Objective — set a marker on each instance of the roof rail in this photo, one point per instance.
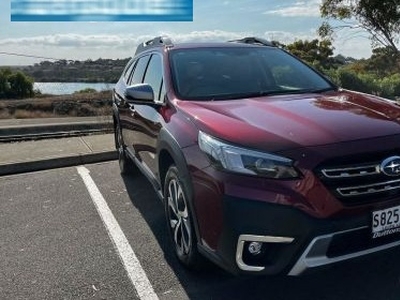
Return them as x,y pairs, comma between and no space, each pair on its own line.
254,40
159,41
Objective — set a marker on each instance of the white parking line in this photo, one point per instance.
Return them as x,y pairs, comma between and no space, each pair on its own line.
128,257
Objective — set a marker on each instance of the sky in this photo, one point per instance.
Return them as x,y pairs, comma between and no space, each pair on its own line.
213,20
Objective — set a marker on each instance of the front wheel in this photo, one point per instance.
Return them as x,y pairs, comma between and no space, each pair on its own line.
179,220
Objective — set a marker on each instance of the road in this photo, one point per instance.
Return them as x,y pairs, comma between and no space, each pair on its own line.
55,244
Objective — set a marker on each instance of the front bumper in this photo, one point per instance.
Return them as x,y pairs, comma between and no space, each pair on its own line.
292,242
319,251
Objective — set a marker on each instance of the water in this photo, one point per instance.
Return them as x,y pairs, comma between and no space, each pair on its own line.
64,88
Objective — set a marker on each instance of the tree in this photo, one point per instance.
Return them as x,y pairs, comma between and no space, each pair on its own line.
20,85
315,52
384,62
380,18
15,85
4,84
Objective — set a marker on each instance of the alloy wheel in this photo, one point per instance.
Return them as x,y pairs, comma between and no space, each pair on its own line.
179,217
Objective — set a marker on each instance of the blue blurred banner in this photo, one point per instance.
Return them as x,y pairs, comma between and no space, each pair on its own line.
101,10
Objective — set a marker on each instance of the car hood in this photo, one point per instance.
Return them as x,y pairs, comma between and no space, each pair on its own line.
283,122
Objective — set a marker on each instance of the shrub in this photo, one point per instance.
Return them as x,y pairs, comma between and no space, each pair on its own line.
86,91
15,85
350,80
390,86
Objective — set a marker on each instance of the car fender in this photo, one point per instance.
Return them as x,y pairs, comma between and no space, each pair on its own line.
168,143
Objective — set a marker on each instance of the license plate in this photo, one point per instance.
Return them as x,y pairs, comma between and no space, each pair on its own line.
385,222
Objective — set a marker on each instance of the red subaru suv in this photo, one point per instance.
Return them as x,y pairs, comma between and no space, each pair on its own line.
264,166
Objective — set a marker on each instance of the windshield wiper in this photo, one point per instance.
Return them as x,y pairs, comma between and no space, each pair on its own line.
283,92
322,90
261,94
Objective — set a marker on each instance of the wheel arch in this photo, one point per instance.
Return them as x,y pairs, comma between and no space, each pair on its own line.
170,153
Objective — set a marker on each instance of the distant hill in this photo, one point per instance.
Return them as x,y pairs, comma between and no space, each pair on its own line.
101,70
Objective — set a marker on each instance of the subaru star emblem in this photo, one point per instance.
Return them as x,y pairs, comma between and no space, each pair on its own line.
391,166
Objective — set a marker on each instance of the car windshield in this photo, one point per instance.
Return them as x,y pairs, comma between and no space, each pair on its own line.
238,72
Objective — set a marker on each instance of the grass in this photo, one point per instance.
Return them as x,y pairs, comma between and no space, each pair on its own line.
49,106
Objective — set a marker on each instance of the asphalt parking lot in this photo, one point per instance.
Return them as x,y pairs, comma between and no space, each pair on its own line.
87,233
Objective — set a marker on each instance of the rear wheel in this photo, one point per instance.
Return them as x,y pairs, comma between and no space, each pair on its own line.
125,164
180,221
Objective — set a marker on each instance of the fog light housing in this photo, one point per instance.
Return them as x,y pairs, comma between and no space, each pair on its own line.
255,252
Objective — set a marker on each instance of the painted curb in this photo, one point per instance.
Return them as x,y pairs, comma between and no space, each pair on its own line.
58,162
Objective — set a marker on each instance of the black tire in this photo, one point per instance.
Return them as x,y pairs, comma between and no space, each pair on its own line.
180,220
125,164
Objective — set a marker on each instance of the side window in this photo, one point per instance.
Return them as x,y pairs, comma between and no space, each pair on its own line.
138,72
154,75
128,69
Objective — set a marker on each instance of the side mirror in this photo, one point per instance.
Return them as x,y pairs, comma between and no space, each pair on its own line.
141,93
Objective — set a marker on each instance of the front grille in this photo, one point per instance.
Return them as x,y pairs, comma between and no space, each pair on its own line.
359,180
351,171
369,188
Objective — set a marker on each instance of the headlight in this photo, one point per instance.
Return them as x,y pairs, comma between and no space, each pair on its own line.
245,161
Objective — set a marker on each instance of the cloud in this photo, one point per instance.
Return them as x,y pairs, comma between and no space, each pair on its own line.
307,8
72,40
115,41
289,37
82,47
206,36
